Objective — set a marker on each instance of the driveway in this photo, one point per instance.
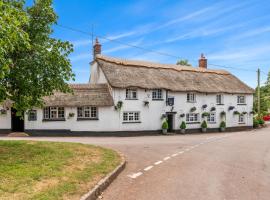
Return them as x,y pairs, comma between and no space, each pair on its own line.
199,166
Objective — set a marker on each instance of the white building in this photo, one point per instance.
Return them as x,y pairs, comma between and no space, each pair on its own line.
125,96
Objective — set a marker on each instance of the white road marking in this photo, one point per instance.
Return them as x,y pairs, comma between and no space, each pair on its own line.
175,154
167,158
209,138
135,175
158,162
148,168
180,152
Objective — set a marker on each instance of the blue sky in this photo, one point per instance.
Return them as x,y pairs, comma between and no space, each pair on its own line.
230,33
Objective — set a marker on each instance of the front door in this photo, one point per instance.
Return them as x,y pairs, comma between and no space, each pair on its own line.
170,122
17,123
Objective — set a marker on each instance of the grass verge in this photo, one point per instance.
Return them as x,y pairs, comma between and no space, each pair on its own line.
48,170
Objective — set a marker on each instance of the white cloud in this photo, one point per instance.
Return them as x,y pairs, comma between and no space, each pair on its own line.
82,56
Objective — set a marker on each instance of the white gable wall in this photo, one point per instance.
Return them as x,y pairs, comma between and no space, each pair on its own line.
5,120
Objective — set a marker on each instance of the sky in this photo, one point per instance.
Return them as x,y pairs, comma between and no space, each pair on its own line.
233,34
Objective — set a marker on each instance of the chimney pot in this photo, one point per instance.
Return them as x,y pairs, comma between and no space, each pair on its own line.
203,62
96,48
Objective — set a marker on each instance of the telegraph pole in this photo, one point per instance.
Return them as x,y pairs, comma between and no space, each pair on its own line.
259,92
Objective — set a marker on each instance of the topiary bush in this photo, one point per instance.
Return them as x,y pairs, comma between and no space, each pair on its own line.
255,123
183,125
204,124
165,125
222,124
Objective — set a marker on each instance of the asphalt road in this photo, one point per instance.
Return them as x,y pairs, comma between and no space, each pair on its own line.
199,166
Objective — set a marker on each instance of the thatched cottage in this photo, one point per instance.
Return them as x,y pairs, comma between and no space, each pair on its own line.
126,96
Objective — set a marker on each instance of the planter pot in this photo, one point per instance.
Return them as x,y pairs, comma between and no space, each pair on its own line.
222,129
204,130
183,131
164,131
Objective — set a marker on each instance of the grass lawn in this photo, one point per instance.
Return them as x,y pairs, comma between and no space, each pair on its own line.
48,170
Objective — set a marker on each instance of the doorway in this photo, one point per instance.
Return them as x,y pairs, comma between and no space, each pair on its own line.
17,123
170,117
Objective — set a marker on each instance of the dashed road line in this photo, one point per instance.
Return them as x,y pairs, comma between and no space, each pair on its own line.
135,175
167,158
175,154
158,162
148,168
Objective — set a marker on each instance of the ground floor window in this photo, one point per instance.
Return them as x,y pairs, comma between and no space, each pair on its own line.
54,113
32,115
192,117
211,118
241,119
87,112
131,117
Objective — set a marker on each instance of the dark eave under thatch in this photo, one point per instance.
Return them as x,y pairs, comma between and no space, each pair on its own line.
127,73
83,95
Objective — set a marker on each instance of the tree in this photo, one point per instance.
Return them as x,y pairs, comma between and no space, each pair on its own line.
183,62
42,67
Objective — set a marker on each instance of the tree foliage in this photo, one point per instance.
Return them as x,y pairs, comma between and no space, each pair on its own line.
183,62
36,63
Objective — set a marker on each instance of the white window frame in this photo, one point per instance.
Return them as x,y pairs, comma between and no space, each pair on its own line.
191,117
157,94
220,99
241,119
57,112
131,116
191,97
87,112
211,118
241,99
131,94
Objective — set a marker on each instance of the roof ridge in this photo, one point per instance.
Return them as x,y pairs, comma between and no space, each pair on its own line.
138,63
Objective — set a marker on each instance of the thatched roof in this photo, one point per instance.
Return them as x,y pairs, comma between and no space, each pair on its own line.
127,73
83,95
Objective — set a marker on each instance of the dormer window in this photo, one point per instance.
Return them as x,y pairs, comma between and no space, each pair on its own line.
157,94
131,94
191,97
241,99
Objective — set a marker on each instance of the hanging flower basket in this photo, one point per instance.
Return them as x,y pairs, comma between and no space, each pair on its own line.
236,113
193,109
3,112
119,105
251,112
71,114
204,106
231,108
205,114
213,109
244,113
223,113
146,103
182,115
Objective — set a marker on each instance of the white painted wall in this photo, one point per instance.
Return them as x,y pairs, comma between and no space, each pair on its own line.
5,120
97,75
111,119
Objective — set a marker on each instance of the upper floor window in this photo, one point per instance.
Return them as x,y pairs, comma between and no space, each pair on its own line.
131,94
157,94
131,116
192,117
241,99
32,115
54,113
241,119
211,118
220,99
191,97
87,112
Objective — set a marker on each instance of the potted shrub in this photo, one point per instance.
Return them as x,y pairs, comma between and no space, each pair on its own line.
183,127
255,123
261,121
70,115
165,127
205,114
204,126
213,109
236,113
222,126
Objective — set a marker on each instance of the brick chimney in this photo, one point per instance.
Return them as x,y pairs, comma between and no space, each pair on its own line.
203,62
96,48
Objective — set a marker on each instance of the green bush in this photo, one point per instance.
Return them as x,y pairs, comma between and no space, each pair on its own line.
255,123
165,125
183,125
261,121
204,124
222,124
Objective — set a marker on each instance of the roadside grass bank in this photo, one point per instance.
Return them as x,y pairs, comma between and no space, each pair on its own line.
52,170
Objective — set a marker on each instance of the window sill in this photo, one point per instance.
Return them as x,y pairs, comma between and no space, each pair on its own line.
54,120
241,123
191,102
241,104
157,99
211,122
85,119
192,122
130,99
220,104
131,122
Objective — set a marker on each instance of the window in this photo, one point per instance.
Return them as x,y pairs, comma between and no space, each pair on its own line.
219,99
191,97
241,119
157,94
87,112
192,117
131,117
241,99
131,94
211,118
32,115
54,113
